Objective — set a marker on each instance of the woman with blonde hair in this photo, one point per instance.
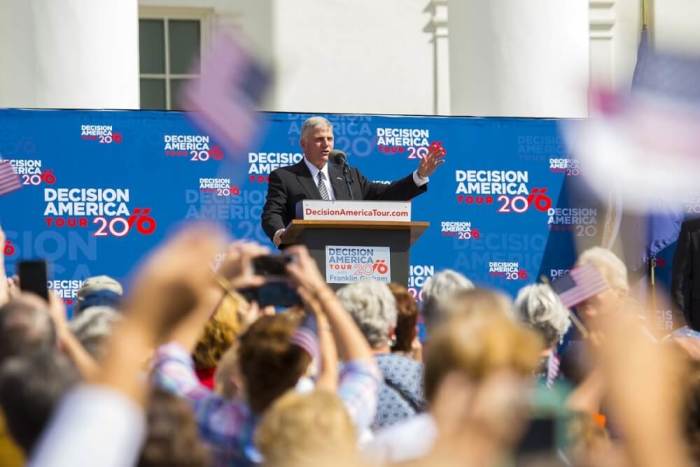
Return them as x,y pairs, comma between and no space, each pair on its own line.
302,429
219,334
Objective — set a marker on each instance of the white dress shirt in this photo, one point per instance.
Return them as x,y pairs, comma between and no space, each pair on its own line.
314,174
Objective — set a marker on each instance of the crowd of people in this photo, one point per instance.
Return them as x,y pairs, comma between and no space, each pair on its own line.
179,369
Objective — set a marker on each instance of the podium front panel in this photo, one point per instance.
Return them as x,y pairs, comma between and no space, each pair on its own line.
397,241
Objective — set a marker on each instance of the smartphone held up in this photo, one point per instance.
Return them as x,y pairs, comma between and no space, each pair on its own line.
277,290
33,277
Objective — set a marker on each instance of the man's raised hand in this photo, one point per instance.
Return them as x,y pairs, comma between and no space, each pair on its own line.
431,161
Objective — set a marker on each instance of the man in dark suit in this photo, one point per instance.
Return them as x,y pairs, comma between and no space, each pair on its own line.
315,177
685,281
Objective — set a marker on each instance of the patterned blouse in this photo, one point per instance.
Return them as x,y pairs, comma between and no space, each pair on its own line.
401,393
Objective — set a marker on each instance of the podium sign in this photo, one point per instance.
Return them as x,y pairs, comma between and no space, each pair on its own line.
346,264
318,210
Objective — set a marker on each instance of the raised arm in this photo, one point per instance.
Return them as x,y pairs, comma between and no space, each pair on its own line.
106,415
644,390
235,272
172,285
358,385
328,374
352,345
70,345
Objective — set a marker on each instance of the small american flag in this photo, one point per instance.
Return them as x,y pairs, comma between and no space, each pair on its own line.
9,180
224,100
580,284
552,369
305,336
644,142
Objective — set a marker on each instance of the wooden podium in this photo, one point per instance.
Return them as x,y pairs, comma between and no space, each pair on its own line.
321,236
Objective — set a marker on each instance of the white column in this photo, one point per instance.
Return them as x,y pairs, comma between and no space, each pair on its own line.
69,54
519,58
441,56
353,56
676,25
615,28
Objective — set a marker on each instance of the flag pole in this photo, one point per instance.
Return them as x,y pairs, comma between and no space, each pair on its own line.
646,25
647,17
652,282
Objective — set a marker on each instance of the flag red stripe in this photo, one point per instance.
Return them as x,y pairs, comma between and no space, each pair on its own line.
9,180
588,282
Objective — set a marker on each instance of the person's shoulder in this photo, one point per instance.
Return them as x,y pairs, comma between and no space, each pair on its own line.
399,365
691,224
294,169
406,440
397,359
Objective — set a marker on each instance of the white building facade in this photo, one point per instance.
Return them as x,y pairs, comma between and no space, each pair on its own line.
446,57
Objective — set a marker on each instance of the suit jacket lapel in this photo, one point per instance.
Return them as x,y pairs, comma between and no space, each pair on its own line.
307,182
340,188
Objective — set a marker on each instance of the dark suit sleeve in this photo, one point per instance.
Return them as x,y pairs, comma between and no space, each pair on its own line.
275,209
682,275
399,190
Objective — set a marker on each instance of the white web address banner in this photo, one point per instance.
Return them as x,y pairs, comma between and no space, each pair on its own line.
317,210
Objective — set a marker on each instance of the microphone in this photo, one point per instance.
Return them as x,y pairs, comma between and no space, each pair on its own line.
340,158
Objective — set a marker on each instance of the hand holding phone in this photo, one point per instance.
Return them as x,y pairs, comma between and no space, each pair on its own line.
271,265
274,293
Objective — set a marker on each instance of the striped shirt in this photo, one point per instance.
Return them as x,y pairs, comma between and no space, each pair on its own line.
228,426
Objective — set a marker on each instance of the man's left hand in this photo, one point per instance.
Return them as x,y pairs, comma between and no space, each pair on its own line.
434,159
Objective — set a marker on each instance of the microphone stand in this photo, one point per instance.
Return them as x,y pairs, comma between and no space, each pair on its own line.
340,158
347,176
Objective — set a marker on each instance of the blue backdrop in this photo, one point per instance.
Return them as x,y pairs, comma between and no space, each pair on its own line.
103,187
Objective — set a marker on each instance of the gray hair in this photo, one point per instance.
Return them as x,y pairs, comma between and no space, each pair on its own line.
541,309
96,291
93,326
31,386
373,307
315,122
610,266
25,326
437,293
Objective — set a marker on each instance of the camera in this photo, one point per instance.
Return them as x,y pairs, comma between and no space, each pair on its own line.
271,265
277,291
